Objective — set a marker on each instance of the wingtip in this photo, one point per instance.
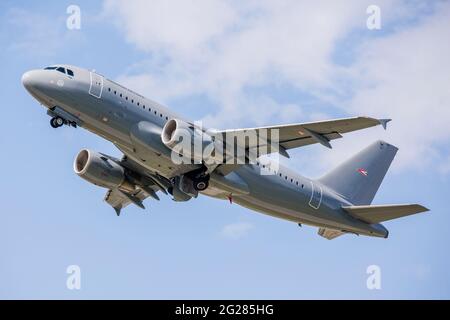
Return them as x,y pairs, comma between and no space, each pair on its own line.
384,122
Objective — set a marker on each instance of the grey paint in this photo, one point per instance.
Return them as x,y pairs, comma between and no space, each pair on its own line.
98,107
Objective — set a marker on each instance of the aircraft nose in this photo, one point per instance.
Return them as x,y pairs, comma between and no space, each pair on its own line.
29,80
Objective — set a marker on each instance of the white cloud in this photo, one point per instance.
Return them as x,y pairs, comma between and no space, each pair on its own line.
183,27
236,231
232,52
405,76
247,45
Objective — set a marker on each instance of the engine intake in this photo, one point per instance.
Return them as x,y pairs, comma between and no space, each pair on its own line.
186,140
101,171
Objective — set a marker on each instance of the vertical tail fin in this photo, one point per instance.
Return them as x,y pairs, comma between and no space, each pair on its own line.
359,178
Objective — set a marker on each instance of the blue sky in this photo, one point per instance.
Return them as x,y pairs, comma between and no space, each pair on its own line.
231,65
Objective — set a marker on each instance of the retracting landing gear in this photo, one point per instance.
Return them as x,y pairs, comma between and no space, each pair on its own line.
57,122
201,182
200,179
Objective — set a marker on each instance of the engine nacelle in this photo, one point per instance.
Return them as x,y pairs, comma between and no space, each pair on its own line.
188,141
101,171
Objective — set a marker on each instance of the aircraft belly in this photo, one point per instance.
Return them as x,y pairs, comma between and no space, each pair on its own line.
300,217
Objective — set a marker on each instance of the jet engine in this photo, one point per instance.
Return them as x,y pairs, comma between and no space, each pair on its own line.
188,141
101,171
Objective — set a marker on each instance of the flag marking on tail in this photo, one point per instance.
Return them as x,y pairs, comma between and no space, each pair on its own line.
363,172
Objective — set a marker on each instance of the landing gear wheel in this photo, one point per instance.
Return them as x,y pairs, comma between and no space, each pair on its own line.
59,121
56,122
53,123
201,184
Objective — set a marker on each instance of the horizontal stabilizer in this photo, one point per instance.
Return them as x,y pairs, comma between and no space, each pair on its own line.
380,213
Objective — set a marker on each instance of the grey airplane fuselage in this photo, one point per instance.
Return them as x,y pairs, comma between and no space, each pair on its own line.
114,112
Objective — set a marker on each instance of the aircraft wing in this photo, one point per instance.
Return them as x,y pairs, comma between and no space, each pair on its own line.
302,134
329,234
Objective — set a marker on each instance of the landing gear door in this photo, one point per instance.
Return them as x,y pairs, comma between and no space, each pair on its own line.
96,87
316,196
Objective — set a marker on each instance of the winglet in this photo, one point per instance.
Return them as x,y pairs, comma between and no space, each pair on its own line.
384,122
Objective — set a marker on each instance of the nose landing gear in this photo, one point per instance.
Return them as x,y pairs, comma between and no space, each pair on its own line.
57,122
60,117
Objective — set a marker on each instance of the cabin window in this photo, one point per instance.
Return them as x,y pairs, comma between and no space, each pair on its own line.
50,68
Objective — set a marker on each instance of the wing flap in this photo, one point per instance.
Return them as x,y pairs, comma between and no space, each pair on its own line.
380,213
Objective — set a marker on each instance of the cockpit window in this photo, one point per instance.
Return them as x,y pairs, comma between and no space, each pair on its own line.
61,69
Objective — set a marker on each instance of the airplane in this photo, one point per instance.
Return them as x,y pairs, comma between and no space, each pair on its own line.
337,203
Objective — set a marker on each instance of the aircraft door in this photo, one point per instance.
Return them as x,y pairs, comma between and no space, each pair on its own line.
96,87
316,196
